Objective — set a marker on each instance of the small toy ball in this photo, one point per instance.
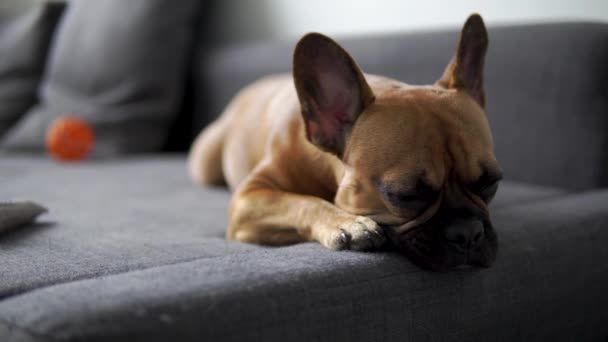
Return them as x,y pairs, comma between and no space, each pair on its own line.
69,139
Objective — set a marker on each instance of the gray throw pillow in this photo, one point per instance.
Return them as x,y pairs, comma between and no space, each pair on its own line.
24,42
120,66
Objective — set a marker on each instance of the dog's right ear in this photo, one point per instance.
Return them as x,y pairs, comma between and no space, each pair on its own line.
465,71
332,91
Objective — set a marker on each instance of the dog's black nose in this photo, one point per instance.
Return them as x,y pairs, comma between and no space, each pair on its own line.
464,234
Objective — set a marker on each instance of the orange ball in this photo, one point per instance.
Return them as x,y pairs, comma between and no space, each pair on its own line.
69,139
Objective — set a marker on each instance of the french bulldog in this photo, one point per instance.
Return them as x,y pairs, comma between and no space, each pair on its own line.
350,160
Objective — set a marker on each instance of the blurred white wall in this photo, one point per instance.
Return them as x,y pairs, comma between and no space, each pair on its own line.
262,19
238,20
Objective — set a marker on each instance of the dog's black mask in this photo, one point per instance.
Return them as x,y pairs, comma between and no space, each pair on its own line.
453,237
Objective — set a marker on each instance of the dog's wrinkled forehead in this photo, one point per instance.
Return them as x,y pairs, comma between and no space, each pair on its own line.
421,130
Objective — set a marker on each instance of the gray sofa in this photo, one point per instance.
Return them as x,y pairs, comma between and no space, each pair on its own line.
132,251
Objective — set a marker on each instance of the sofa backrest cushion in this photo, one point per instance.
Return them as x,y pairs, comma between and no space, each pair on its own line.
546,93
119,65
24,44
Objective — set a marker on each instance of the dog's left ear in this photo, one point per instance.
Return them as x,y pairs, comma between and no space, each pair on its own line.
465,71
332,91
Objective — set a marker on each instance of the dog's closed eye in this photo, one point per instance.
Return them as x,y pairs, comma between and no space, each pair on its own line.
407,200
487,184
417,198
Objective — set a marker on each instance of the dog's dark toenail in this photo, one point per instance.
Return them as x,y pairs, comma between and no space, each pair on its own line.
369,235
344,237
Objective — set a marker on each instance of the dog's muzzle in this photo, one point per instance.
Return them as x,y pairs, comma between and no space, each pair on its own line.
453,238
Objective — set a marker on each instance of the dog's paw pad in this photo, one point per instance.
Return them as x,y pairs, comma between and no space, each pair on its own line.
359,234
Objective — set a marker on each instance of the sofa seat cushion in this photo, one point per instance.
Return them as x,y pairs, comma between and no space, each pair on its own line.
107,217
548,284
119,215
513,193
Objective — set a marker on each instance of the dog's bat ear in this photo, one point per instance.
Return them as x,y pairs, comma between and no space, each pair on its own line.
465,71
332,91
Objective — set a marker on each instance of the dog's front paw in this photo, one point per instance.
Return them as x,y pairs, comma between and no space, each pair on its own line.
358,234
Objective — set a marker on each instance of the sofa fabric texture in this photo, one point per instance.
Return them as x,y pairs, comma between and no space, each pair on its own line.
24,45
130,250
108,68
151,215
